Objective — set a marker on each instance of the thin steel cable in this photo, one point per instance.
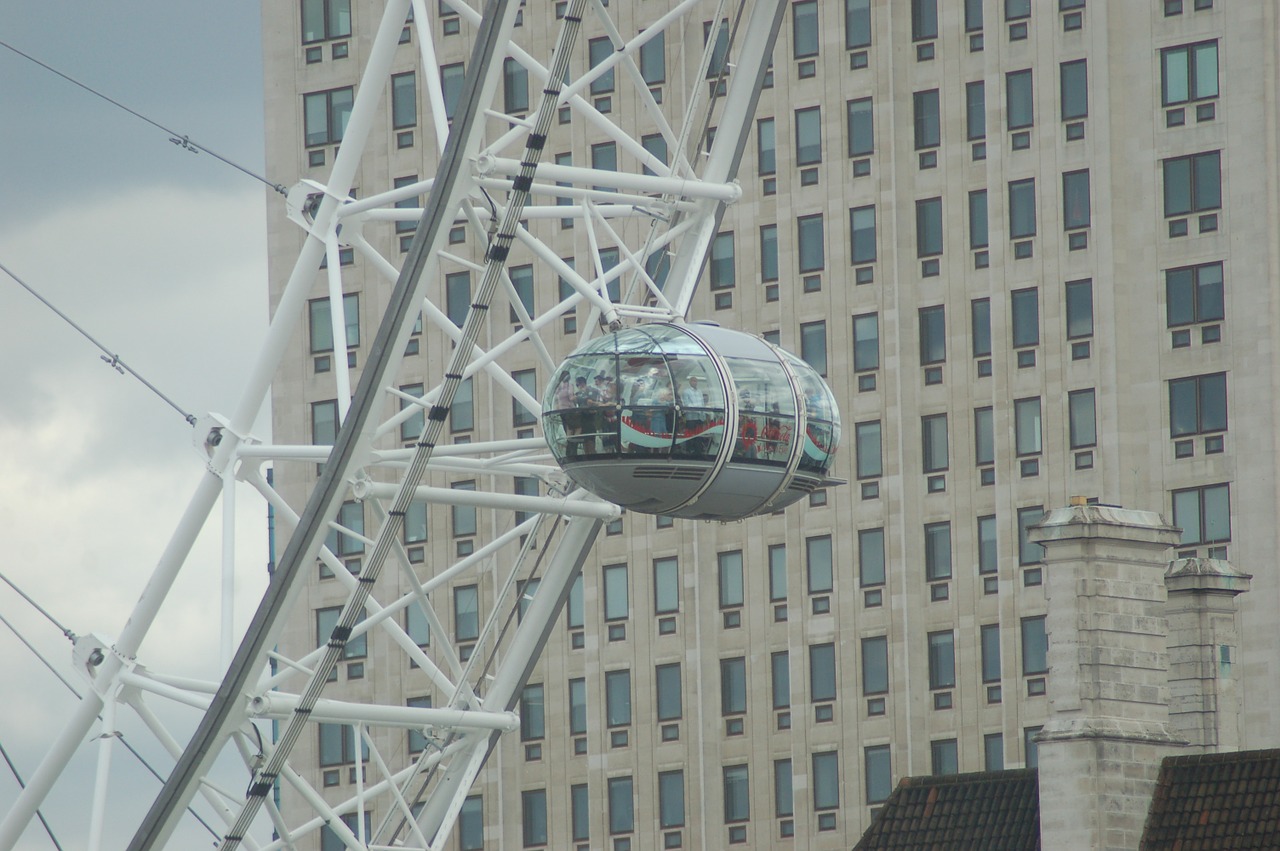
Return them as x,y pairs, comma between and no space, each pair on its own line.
41,609
109,357
16,776
180,139
139,757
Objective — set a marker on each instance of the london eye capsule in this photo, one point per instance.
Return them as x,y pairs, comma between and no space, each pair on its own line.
693,421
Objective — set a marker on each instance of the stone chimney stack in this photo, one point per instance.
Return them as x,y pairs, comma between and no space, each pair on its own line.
1204,698
1108,726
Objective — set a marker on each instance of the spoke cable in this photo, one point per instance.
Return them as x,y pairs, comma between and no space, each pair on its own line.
110,358
62,679
180,139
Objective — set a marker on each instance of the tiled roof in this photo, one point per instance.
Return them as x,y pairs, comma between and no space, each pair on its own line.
1223,802
998,810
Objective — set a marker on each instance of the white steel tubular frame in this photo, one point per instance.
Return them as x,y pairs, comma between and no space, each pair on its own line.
660,222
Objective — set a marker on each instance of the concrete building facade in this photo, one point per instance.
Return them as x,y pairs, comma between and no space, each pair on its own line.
1032,247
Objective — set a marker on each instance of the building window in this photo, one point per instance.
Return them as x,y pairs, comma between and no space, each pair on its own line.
721,262
942,660
451,80
929,227
933,439
1189,72
1035,647
822,673
617,698
668,690
812,256
404,101
924,19
528,381
533,811
321,323
577,706
462,413
1073,78
766,147
860,127
357,647
1027,431
972,16
933,334
1019,99
325,115
733,686
804,29
415,523
324,422
575,611
928,132
808,136
522,283
975,110
868,449
980,324
471,824
533,713
411,428
1017,9
325,19
1194,294
1198,405
457,296
990,638
621,805
721,50
818,564
1028,551
768,252
875,665
780,679
1204,513
984,441
778,572
416,625
617,605
730,573
466,613
580,812
937,551
1082,418
1022,208
598,50
653,59
866,342
978,236
1075,199
826,781
1025,307
870,557
857,23
944,757
783,793
878,773
1192,184
737,800
347,540
813,345
993,752
1030,746
666,585
671,799
862,234
1079,297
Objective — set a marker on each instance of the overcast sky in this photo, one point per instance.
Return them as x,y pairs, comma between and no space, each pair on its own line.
160,254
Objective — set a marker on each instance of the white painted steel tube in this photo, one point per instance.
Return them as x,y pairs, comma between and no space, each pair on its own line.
277,704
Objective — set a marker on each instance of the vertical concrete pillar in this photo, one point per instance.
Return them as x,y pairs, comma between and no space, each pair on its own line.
1108,725
1204,642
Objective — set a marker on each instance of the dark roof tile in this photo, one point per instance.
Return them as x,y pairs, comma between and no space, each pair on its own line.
1216,802
997,810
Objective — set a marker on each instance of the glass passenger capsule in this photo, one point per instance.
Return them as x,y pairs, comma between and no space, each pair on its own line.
693,421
